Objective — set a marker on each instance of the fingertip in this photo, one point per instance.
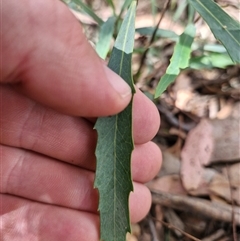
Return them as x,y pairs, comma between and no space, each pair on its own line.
140,201
146,162
146,118
118,84
67,76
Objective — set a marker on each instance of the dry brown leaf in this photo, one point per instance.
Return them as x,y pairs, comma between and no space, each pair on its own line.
226,109
171,184
217,199
199,105
195,154
203,189
226,134
135,232
213,108
236,195
220,187
182,82
170,165
233,175
131,237
236,110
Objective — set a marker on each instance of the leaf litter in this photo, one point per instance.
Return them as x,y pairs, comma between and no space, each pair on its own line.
196,195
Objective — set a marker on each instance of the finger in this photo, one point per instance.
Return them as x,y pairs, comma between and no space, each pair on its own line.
146,162
146,119
140,201
47,57
27,220
46,222
45,180
28,125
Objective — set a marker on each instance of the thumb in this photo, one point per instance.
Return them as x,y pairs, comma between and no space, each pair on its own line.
48,58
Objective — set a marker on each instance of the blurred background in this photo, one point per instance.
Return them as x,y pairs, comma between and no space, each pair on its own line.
196,195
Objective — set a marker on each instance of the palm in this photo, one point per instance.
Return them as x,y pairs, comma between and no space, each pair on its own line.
47,153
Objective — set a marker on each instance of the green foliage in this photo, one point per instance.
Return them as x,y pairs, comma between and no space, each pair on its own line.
110,2
115,145
179,60
160,33
179,11
78,5
210,60
105,37
125,6
224,28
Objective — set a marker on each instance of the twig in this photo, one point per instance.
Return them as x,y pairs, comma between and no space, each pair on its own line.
215,236
152,39
200,206
173,120
233,217
216,81
170,226
153,229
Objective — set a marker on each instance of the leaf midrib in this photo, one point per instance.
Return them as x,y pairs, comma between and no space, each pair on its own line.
116,124
223,26
115,179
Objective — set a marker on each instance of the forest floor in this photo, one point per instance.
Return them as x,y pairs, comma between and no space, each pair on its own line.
196,195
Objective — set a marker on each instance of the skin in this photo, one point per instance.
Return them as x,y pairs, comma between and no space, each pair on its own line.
53,86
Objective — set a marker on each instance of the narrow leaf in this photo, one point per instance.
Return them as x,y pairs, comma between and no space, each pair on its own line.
125,6
105,37
154,10
211,60
217,48
161,33
179,60
86,9
224,28
179,11
115,145
111,3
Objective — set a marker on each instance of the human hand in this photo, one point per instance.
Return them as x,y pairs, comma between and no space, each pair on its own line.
52,84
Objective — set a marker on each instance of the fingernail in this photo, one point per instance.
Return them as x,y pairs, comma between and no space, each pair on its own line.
118,83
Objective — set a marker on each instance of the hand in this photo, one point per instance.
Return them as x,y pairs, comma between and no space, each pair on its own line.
52,85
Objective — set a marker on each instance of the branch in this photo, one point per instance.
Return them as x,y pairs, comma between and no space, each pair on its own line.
217,211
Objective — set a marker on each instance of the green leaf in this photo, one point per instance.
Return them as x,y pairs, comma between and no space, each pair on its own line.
224,28
111,3
154,10
161,33
179,60
79,4
216,48
115,145
179,11
105,37
210,60
125,6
